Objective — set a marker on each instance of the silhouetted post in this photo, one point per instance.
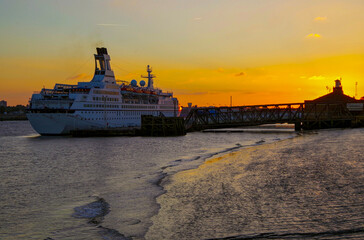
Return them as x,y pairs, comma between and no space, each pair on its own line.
298,126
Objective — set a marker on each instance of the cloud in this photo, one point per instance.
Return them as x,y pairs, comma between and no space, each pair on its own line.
320,19
220,70
313,35
111,25
240,74
80,77
198,93
197,18
190,92
230,72
317,78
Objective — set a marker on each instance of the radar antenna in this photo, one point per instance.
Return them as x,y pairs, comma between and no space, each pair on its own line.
149,77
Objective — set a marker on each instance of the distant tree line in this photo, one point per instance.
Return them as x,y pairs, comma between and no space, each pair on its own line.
12,109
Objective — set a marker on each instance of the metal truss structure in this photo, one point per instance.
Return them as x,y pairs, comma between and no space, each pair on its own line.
222,117
303,115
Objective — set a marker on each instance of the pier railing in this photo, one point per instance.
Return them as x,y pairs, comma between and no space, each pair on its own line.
303,115
221,117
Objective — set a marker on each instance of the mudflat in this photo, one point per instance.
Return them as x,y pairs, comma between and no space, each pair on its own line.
311,186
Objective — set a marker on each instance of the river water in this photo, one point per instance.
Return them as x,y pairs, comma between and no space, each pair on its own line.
97,188
308,187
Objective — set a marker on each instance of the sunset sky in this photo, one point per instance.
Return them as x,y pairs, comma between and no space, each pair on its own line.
257,51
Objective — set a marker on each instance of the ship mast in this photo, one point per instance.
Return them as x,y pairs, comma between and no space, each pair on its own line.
150,77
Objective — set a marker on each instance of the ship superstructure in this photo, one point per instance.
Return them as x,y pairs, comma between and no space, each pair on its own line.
102,103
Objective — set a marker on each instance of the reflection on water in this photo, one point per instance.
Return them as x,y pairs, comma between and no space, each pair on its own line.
44,179
305,188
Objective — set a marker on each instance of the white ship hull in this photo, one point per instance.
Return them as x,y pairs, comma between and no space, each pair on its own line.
49,123
58,123
65,123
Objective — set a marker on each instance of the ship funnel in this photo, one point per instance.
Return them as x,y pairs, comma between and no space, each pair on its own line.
103,72
101,51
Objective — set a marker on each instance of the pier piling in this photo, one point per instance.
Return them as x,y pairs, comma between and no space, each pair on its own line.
162,126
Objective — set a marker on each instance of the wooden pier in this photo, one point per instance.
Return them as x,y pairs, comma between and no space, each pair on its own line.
162,126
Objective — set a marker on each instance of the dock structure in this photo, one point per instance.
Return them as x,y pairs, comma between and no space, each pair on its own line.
162,126
223,117
151,126
330,111
303,115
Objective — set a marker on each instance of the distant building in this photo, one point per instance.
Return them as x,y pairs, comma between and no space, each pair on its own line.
333,105
336,96
3,103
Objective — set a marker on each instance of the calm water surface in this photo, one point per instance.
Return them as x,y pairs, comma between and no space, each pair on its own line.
48,183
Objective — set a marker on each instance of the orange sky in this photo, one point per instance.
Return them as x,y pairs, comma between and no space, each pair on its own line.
258,52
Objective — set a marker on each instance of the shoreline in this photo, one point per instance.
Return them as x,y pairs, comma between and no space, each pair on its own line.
166,175
221,155
224,153
13,118
211,201
167,178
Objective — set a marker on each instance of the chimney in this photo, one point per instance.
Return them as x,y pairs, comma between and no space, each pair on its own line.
338,88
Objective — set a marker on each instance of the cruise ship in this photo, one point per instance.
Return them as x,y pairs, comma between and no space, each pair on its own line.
102,103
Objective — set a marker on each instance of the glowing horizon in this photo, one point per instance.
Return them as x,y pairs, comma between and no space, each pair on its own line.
205,52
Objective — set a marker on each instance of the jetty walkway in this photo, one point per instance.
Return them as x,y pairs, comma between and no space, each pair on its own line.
313,115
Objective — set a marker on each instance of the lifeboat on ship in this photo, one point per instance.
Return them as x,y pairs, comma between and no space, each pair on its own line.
146,91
